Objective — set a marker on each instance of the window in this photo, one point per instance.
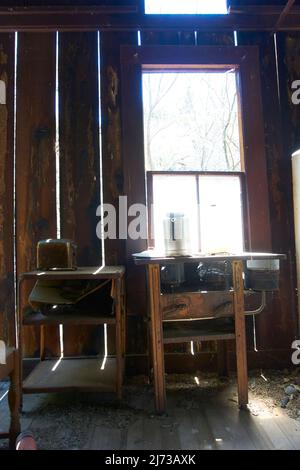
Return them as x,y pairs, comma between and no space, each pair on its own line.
191,120
239,65
185,6
193,155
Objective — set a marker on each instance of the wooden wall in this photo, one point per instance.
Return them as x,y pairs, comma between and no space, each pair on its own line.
80,183
7,303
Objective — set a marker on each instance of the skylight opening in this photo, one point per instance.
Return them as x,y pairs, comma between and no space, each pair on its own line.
186,7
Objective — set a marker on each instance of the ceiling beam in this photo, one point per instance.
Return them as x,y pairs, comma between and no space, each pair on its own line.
284,14
120,19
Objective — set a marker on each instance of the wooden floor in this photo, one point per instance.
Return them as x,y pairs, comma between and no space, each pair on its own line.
213,425
206,421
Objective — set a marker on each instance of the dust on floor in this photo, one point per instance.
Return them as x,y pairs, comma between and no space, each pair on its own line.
64,421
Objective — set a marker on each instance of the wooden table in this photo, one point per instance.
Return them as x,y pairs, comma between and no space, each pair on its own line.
11,370
152,263
82,373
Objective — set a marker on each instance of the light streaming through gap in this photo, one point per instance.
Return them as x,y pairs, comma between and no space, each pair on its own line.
235,37
277,67
100,148
105,347
139,39
101,184
57,175
3,396
14,185
57,149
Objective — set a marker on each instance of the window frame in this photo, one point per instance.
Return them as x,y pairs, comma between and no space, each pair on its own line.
246,60
152,68
196,174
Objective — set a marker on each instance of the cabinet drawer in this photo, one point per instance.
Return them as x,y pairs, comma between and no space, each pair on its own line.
214,304
197,305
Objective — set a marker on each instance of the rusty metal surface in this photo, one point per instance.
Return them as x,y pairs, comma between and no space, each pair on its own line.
7,307
35,161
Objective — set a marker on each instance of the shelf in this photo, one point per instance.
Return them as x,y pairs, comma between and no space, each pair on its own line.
193,334
92,272
67,319
153,257
67,375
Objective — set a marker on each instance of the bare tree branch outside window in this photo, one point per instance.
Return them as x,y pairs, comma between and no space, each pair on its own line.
191,121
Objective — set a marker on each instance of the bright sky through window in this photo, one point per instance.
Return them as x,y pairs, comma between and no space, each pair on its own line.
186,6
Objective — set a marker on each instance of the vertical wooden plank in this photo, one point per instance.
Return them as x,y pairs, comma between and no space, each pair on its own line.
7,304
114,167
111,108
240,333
288,47
173,38
134,179
160,37
35,161
222,360
157,338
281,309
79,160
116,287
215,39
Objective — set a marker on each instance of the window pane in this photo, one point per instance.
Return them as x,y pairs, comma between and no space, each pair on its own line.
185,6
175,194
221,227
191,121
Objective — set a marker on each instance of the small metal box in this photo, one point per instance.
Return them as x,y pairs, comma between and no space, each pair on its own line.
54,254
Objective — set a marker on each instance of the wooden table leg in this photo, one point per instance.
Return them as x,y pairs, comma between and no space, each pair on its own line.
240,333
20,340
42,342
222,358
119,340
123,332
14,396
157,338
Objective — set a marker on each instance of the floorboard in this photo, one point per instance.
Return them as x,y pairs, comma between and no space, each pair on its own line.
197,419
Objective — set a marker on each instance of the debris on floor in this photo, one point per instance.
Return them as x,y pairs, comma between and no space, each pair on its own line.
64,421
277,389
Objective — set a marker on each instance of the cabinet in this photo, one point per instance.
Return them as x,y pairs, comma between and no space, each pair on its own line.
196,314
95,374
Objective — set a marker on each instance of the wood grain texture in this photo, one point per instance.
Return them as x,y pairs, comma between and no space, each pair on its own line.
35,161
112,145
240,333
157,338
7,304
281,134
134,178
79,159
215,39
288,47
